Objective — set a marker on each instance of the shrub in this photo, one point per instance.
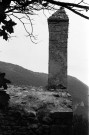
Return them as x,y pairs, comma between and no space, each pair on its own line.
80,125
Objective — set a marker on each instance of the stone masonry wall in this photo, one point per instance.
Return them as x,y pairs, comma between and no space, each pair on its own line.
58,34
13,123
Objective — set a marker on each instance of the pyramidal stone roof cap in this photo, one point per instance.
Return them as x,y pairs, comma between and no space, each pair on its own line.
59,15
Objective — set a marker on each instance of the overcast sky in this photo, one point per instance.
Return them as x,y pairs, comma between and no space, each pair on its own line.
21,51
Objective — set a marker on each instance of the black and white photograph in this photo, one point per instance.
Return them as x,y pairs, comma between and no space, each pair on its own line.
44,67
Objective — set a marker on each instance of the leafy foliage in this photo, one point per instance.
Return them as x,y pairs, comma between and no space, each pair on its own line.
7,28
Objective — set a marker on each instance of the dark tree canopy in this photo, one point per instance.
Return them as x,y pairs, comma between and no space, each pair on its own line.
3,81
27,8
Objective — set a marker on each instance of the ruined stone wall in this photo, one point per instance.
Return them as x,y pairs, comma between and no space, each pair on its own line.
58,34
13,123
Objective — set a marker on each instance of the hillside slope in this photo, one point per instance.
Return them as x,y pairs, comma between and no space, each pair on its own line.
21,76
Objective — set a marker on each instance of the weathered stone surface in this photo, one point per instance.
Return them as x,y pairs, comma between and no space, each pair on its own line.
59,15
58,34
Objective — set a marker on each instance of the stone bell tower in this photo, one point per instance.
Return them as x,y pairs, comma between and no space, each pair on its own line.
58,34
57,77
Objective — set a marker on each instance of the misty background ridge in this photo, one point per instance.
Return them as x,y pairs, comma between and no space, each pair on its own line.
13,71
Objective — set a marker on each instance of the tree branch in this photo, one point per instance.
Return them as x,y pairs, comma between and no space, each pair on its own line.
70,7
78,13
65,4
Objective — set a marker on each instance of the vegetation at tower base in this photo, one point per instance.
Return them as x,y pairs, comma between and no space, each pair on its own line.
27,8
